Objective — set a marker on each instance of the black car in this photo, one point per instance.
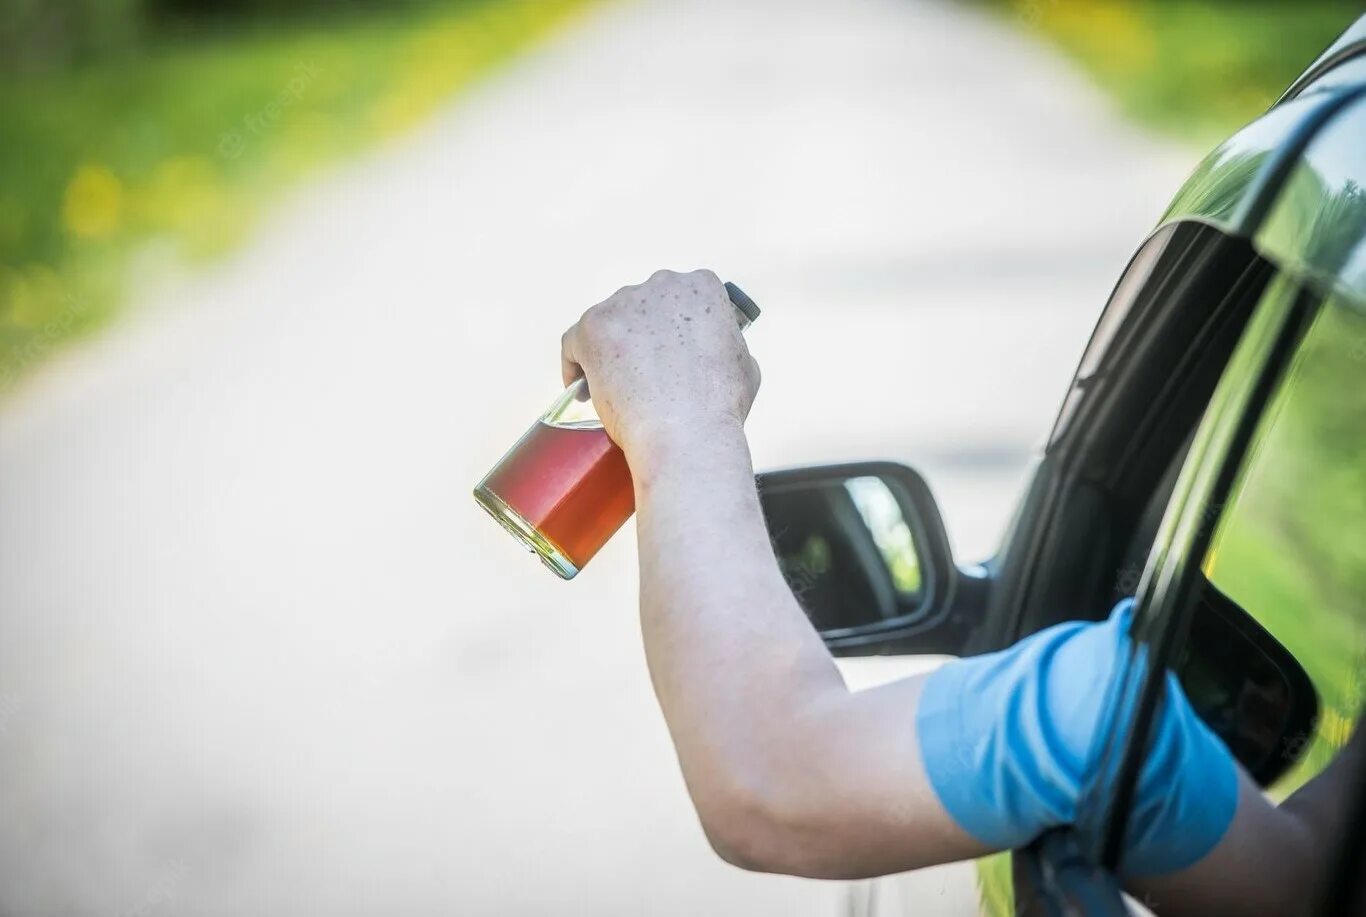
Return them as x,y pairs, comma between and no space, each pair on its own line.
1209,458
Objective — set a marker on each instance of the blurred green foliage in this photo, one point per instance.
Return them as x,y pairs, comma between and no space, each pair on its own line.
1198,69
52,34
111,158
47,35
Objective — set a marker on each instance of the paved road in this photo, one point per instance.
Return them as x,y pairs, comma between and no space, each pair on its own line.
260,653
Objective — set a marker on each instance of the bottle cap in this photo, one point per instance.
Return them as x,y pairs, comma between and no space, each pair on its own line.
742,302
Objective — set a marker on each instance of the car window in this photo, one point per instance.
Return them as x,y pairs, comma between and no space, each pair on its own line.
1289,545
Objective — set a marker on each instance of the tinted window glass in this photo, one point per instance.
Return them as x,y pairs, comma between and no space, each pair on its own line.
1290,543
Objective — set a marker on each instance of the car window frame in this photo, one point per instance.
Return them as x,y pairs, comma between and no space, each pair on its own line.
1226,201
1081,861
1169,590
1102,816
1090,488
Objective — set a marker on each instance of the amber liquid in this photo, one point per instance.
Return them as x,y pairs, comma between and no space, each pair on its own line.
570,484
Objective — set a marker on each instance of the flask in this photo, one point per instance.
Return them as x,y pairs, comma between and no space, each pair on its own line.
564,489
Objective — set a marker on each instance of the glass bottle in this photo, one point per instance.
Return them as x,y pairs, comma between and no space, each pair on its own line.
564,489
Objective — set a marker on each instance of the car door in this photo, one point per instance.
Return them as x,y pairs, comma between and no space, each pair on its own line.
1267,530
1252,592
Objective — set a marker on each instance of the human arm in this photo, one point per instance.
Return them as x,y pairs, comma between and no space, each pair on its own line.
1271,859
789,770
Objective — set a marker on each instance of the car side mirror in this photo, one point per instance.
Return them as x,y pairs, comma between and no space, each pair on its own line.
1249,690
864,549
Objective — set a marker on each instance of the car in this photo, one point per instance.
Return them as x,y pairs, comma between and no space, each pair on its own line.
1209,458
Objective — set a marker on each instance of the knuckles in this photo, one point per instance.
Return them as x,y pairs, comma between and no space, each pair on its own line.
600,325
708,278
609,321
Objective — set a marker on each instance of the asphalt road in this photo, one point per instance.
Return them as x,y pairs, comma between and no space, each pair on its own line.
259,651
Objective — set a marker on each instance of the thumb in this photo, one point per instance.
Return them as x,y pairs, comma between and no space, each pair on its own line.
570,370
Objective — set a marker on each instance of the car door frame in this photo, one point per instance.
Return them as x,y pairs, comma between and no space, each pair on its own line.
1079,864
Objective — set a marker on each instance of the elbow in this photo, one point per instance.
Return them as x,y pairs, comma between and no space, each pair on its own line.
745,831
742,839
759,826
774,800
735,850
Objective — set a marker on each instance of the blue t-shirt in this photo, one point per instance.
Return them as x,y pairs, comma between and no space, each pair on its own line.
1008,741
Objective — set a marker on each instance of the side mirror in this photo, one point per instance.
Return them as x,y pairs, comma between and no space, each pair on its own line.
864,549
1247,687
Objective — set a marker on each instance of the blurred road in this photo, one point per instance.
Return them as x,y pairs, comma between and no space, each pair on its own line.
259,651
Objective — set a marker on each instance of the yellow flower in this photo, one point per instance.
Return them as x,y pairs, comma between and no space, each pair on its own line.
94,202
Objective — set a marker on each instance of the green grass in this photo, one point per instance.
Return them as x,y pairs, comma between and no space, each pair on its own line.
1197,69
171,152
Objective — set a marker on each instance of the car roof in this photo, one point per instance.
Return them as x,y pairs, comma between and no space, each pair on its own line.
1293,181
1347,45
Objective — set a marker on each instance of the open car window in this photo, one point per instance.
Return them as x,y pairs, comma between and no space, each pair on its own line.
1253,594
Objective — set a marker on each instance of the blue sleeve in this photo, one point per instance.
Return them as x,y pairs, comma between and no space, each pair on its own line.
1008,739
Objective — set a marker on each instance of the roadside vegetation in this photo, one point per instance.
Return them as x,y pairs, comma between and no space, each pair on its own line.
1196,69
134,133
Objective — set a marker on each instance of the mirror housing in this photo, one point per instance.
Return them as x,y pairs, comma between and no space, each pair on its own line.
864,549
1249,690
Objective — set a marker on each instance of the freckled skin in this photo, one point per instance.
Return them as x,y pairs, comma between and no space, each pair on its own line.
707,357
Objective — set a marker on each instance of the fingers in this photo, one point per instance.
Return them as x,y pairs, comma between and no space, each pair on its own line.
576,343
755,377
601,320
708,278
570,370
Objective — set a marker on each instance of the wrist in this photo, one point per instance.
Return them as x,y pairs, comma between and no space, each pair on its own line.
692,443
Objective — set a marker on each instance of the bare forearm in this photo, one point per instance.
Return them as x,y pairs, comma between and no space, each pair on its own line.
767,734
733,659
1275,851
1267,848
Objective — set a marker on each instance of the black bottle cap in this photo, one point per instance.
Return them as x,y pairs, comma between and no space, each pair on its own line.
742,302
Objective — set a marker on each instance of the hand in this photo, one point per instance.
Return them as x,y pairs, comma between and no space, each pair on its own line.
664,359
